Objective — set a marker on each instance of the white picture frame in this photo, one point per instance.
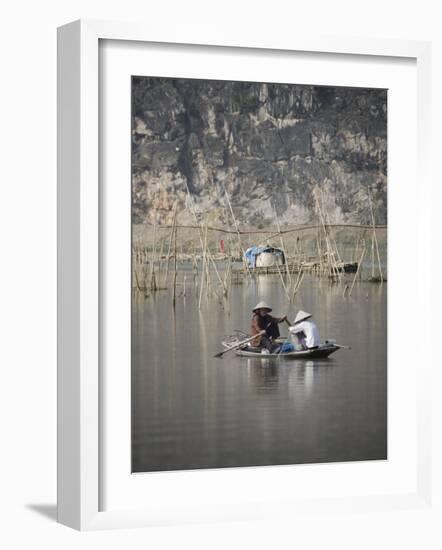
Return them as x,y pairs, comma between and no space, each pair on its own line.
79,264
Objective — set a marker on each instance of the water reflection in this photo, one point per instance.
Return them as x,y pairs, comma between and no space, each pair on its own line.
193,411
269,374
263,374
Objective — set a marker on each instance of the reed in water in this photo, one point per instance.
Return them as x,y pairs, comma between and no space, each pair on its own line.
207,260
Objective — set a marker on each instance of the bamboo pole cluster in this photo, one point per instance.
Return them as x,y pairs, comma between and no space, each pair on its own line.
171,263
329,260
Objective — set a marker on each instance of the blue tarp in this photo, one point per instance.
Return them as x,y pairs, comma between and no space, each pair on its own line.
254,251
286,347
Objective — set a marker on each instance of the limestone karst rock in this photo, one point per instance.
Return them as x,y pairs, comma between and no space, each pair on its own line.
271,147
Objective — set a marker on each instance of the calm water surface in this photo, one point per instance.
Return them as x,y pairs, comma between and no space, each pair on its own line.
190,410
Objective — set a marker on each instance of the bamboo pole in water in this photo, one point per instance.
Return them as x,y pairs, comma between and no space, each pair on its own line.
318,244
241,249
160,261
326,241
298,283
152,284
220,279
174,269
286,290
195,269
201,239
210,260
334,242
203,232
207,253
334,247
355,254
169,249
215,267
137,282
144,275
228,276
300,251
283,248
333,270
209,285
203,271
375,237
357,271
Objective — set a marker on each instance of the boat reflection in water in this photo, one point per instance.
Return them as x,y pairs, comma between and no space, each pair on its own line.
297,377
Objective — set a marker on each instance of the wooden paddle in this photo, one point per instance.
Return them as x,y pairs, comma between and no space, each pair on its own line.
236,346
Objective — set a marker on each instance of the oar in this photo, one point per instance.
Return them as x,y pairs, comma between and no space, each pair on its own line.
236,346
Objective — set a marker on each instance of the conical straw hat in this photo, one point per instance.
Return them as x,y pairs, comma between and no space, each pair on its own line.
262,305
302,316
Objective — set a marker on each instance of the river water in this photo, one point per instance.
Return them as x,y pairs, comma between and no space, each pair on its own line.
191,410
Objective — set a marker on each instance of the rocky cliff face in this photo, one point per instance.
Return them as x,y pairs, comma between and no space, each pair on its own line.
274,149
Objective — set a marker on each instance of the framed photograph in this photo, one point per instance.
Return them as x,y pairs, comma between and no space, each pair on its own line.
234,340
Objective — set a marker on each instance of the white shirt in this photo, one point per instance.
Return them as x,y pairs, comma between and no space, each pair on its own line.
309,328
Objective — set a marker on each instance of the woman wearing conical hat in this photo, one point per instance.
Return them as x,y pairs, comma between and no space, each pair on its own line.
306,330
262,320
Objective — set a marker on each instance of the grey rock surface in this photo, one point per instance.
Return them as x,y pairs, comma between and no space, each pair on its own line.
274,149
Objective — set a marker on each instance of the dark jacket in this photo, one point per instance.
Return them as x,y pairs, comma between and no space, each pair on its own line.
267,323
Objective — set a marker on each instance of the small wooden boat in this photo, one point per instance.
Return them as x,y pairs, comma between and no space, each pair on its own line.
321,352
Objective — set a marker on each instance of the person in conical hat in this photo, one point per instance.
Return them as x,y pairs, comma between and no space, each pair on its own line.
262,305
262,320
305,330
301,316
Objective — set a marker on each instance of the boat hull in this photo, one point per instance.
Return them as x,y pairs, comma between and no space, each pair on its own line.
317,353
